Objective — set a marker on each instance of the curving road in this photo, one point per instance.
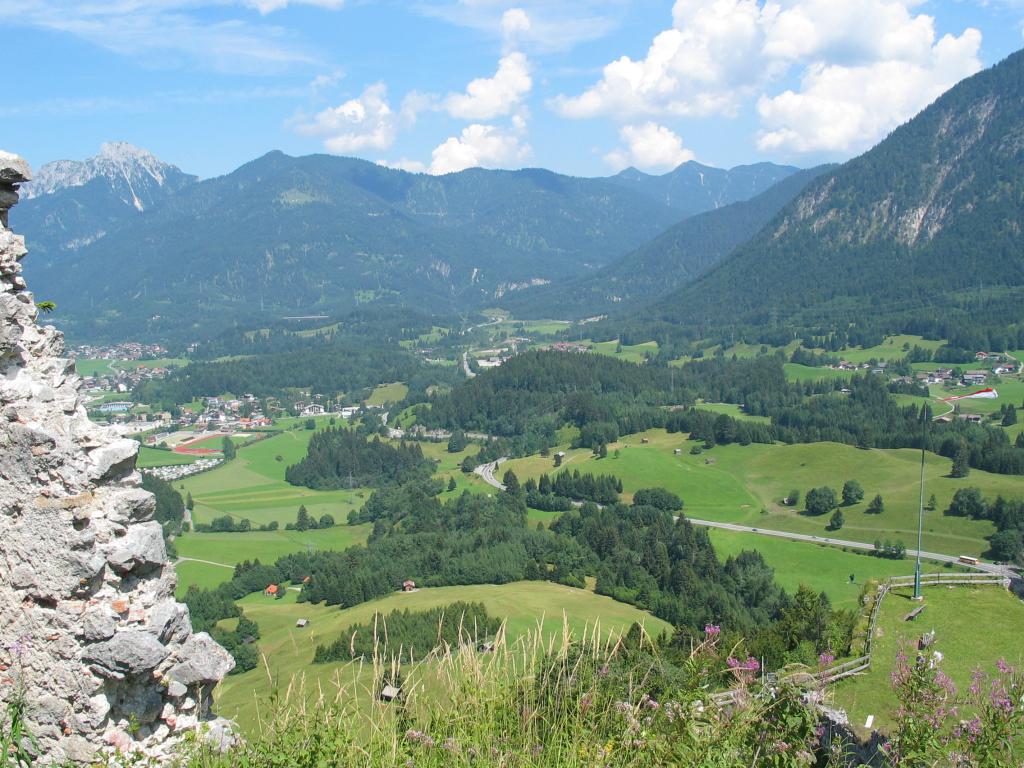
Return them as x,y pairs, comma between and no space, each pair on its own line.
486,471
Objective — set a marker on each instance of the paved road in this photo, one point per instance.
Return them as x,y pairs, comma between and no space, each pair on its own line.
911,553
486,471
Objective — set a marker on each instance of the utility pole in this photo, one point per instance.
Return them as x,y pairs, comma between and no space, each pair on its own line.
920,508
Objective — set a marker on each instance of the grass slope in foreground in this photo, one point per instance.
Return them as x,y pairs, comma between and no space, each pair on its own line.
974,627
289,650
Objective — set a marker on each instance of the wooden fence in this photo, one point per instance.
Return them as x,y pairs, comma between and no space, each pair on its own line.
863,663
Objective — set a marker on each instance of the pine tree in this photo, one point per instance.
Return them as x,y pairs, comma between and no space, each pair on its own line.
302,520
511,482
876,506
451,484
932,502
1009,416
189,503
961,467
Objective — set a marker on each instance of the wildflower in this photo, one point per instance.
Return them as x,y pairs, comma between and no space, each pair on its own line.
450,745
603,671
1004,667
586,702
826,658
711,630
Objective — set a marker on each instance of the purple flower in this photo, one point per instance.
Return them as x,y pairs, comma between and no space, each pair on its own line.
826,658
711,630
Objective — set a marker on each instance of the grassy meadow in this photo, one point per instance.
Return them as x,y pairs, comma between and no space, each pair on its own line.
966,632
289,650
252,485
387,393
745,484
818,566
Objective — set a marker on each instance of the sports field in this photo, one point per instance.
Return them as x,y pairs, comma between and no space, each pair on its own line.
152,457
289,650
974,626
745,484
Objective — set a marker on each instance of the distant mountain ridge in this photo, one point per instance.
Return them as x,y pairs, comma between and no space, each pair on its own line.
693,188
322,234
677,256
925,228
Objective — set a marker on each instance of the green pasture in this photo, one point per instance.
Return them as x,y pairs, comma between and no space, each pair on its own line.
974,627
387,393
635,353
253,486
731,409
818,566
92,367
735,483
267,546
891,348
202,575
288,650
797,372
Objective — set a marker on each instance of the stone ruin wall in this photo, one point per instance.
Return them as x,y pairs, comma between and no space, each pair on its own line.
90,632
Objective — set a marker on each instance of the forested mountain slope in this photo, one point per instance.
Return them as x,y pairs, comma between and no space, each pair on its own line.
70,204
680,254
924,230
285,236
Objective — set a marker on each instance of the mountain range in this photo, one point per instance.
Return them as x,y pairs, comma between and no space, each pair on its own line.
127,245
671,260
925,230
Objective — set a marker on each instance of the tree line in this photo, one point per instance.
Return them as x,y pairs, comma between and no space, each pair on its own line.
409,636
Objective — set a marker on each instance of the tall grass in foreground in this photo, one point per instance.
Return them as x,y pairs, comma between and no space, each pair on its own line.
583,702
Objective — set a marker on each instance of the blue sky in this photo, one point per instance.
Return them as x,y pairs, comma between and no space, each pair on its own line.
585,87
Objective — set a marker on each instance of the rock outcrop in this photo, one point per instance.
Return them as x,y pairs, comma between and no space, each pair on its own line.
90,634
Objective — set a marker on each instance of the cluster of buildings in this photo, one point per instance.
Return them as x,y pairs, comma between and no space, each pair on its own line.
129,350
123,380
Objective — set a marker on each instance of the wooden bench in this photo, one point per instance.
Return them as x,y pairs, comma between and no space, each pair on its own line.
914,613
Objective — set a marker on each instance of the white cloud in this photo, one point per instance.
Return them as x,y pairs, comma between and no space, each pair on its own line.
515,23
483,146
649,146
865,66
702,66
404,164
553,25
488,97
164,33
841,108
366,122
268,6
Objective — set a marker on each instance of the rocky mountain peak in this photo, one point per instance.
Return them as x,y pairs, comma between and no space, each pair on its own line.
133,172
91,636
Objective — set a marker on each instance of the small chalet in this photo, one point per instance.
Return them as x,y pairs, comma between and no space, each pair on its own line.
271,590
975,377
302,623
408,585
390,693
